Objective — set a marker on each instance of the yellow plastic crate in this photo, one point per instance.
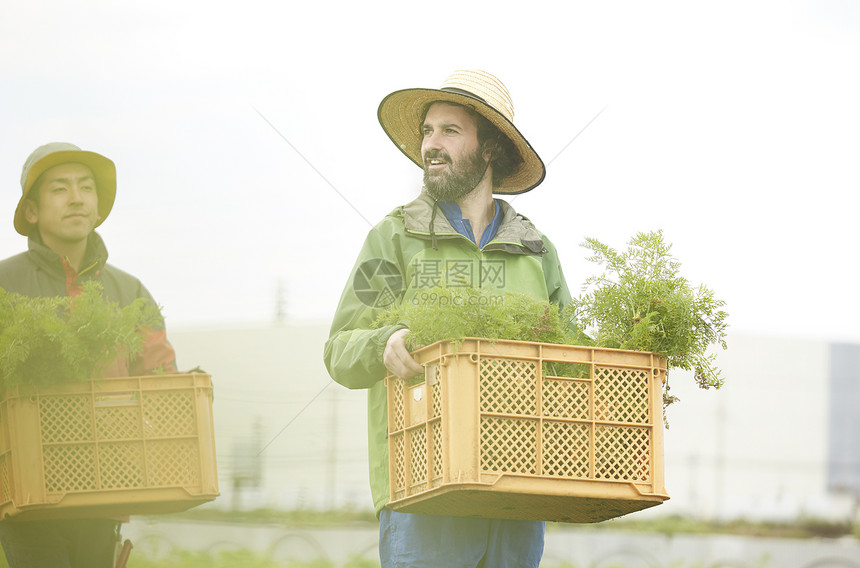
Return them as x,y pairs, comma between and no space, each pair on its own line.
107,447
530,431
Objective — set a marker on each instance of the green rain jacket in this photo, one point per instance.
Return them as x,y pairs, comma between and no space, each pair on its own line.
412,249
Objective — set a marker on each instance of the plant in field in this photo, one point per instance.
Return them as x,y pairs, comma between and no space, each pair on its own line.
454,313
640,302
49,340
239,558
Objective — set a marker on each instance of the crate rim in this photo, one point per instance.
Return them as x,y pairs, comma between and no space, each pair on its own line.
113,384
436,351
538,343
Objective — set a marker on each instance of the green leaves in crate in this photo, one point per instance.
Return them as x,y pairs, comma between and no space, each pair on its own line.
50,340
641,302
454,313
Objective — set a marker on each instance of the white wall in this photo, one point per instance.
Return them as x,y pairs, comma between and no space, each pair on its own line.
756,448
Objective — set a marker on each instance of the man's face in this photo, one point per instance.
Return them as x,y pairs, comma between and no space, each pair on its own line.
453,164
68,204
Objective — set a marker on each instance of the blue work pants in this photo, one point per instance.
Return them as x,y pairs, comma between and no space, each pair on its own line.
432,541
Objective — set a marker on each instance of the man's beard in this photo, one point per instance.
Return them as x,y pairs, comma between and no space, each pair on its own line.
459,181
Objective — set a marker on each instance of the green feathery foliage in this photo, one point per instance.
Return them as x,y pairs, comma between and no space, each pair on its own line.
640,302
50,340
454,313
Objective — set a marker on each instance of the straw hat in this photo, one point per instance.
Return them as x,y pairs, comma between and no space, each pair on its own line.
54,154
400,114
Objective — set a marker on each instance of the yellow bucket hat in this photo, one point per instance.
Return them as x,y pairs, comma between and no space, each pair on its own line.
54,154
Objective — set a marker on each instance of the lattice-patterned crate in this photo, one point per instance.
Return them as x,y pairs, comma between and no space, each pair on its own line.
107,447
531,431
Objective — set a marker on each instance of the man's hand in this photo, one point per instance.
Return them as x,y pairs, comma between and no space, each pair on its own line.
397,358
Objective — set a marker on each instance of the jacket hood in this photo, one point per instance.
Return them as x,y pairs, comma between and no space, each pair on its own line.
516,234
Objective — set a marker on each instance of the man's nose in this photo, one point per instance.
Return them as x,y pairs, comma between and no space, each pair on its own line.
432,141
76,195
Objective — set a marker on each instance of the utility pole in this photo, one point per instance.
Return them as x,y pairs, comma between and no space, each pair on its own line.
331,465
720,461
247,463
280,302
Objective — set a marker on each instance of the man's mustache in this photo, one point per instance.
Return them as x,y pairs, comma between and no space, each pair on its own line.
436,155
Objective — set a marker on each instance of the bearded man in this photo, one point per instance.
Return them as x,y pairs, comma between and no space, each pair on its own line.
463,137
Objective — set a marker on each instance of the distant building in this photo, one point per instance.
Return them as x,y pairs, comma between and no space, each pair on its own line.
779,441
843,456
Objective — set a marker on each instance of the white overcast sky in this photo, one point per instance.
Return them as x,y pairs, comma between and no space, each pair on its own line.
733,126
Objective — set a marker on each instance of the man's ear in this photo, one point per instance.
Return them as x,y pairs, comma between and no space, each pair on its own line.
489,150
31,211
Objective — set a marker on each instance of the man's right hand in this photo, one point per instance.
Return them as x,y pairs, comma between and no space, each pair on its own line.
397,358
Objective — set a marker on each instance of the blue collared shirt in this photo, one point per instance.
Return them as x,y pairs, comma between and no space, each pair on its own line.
464,227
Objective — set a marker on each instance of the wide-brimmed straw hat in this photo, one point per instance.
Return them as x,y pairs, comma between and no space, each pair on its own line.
54,154
400,115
